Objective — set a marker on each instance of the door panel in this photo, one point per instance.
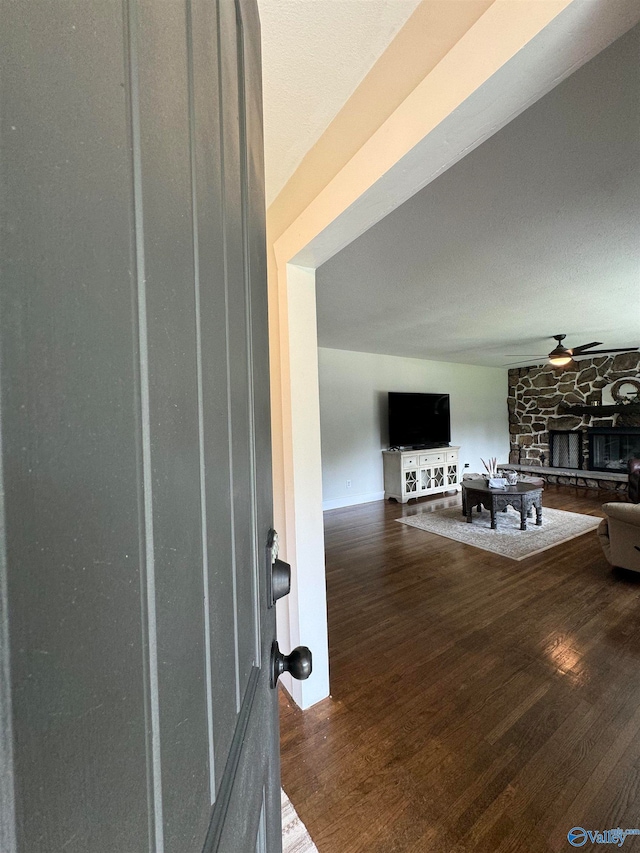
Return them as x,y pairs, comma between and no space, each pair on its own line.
264,730
134,664
170,424
71,528
251,777
237,307
212,329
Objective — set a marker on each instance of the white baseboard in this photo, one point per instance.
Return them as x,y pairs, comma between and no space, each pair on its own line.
352,500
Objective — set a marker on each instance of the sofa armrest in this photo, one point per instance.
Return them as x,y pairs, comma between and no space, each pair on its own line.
603,537
626,512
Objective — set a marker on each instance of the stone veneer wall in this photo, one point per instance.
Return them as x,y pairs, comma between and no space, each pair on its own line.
537,395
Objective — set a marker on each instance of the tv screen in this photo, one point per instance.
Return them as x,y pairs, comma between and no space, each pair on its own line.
419,420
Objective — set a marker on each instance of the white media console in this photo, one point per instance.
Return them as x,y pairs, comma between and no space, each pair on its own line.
416,473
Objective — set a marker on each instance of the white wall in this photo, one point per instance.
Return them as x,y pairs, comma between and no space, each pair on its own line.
353,415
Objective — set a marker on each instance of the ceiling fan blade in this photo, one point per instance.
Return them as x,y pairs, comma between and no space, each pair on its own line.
527,361
601,351
578,350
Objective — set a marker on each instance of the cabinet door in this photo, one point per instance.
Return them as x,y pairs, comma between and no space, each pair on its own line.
437,476
410,482
452,474
424,480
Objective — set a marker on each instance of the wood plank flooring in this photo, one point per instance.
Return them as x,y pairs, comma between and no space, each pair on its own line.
478,704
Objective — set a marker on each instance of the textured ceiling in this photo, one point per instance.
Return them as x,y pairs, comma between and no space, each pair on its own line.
314,55
536,232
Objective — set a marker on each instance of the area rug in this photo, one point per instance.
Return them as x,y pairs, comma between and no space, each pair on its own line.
295,838
508,540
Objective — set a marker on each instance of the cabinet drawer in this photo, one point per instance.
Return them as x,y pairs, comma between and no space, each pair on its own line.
452,456
431,458
409,461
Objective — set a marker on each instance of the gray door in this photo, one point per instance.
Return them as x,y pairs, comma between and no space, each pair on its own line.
135,638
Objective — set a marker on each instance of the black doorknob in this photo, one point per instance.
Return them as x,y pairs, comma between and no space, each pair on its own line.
280,580
278,572
298,663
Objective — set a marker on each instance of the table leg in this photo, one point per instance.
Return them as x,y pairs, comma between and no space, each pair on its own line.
523,516
469,512
539,513
493,516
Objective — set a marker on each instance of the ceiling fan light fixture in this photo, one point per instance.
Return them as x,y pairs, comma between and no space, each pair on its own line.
560,355
560,359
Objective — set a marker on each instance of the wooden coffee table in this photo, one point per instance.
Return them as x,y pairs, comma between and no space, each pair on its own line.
523,497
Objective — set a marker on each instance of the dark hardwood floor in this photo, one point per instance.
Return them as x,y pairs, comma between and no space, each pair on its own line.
478,703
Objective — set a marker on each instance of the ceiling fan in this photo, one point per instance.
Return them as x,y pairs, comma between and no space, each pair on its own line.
560,356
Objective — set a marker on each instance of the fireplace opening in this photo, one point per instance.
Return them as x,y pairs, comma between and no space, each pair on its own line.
565,448
611,448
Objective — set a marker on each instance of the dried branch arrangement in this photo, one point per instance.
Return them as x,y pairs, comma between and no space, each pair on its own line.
491,467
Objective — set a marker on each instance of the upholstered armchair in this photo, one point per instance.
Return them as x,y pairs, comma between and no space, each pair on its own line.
619,532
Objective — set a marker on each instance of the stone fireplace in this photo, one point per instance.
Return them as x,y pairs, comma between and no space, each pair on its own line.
556,413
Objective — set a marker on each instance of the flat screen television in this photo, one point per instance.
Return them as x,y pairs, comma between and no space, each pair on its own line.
419,420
